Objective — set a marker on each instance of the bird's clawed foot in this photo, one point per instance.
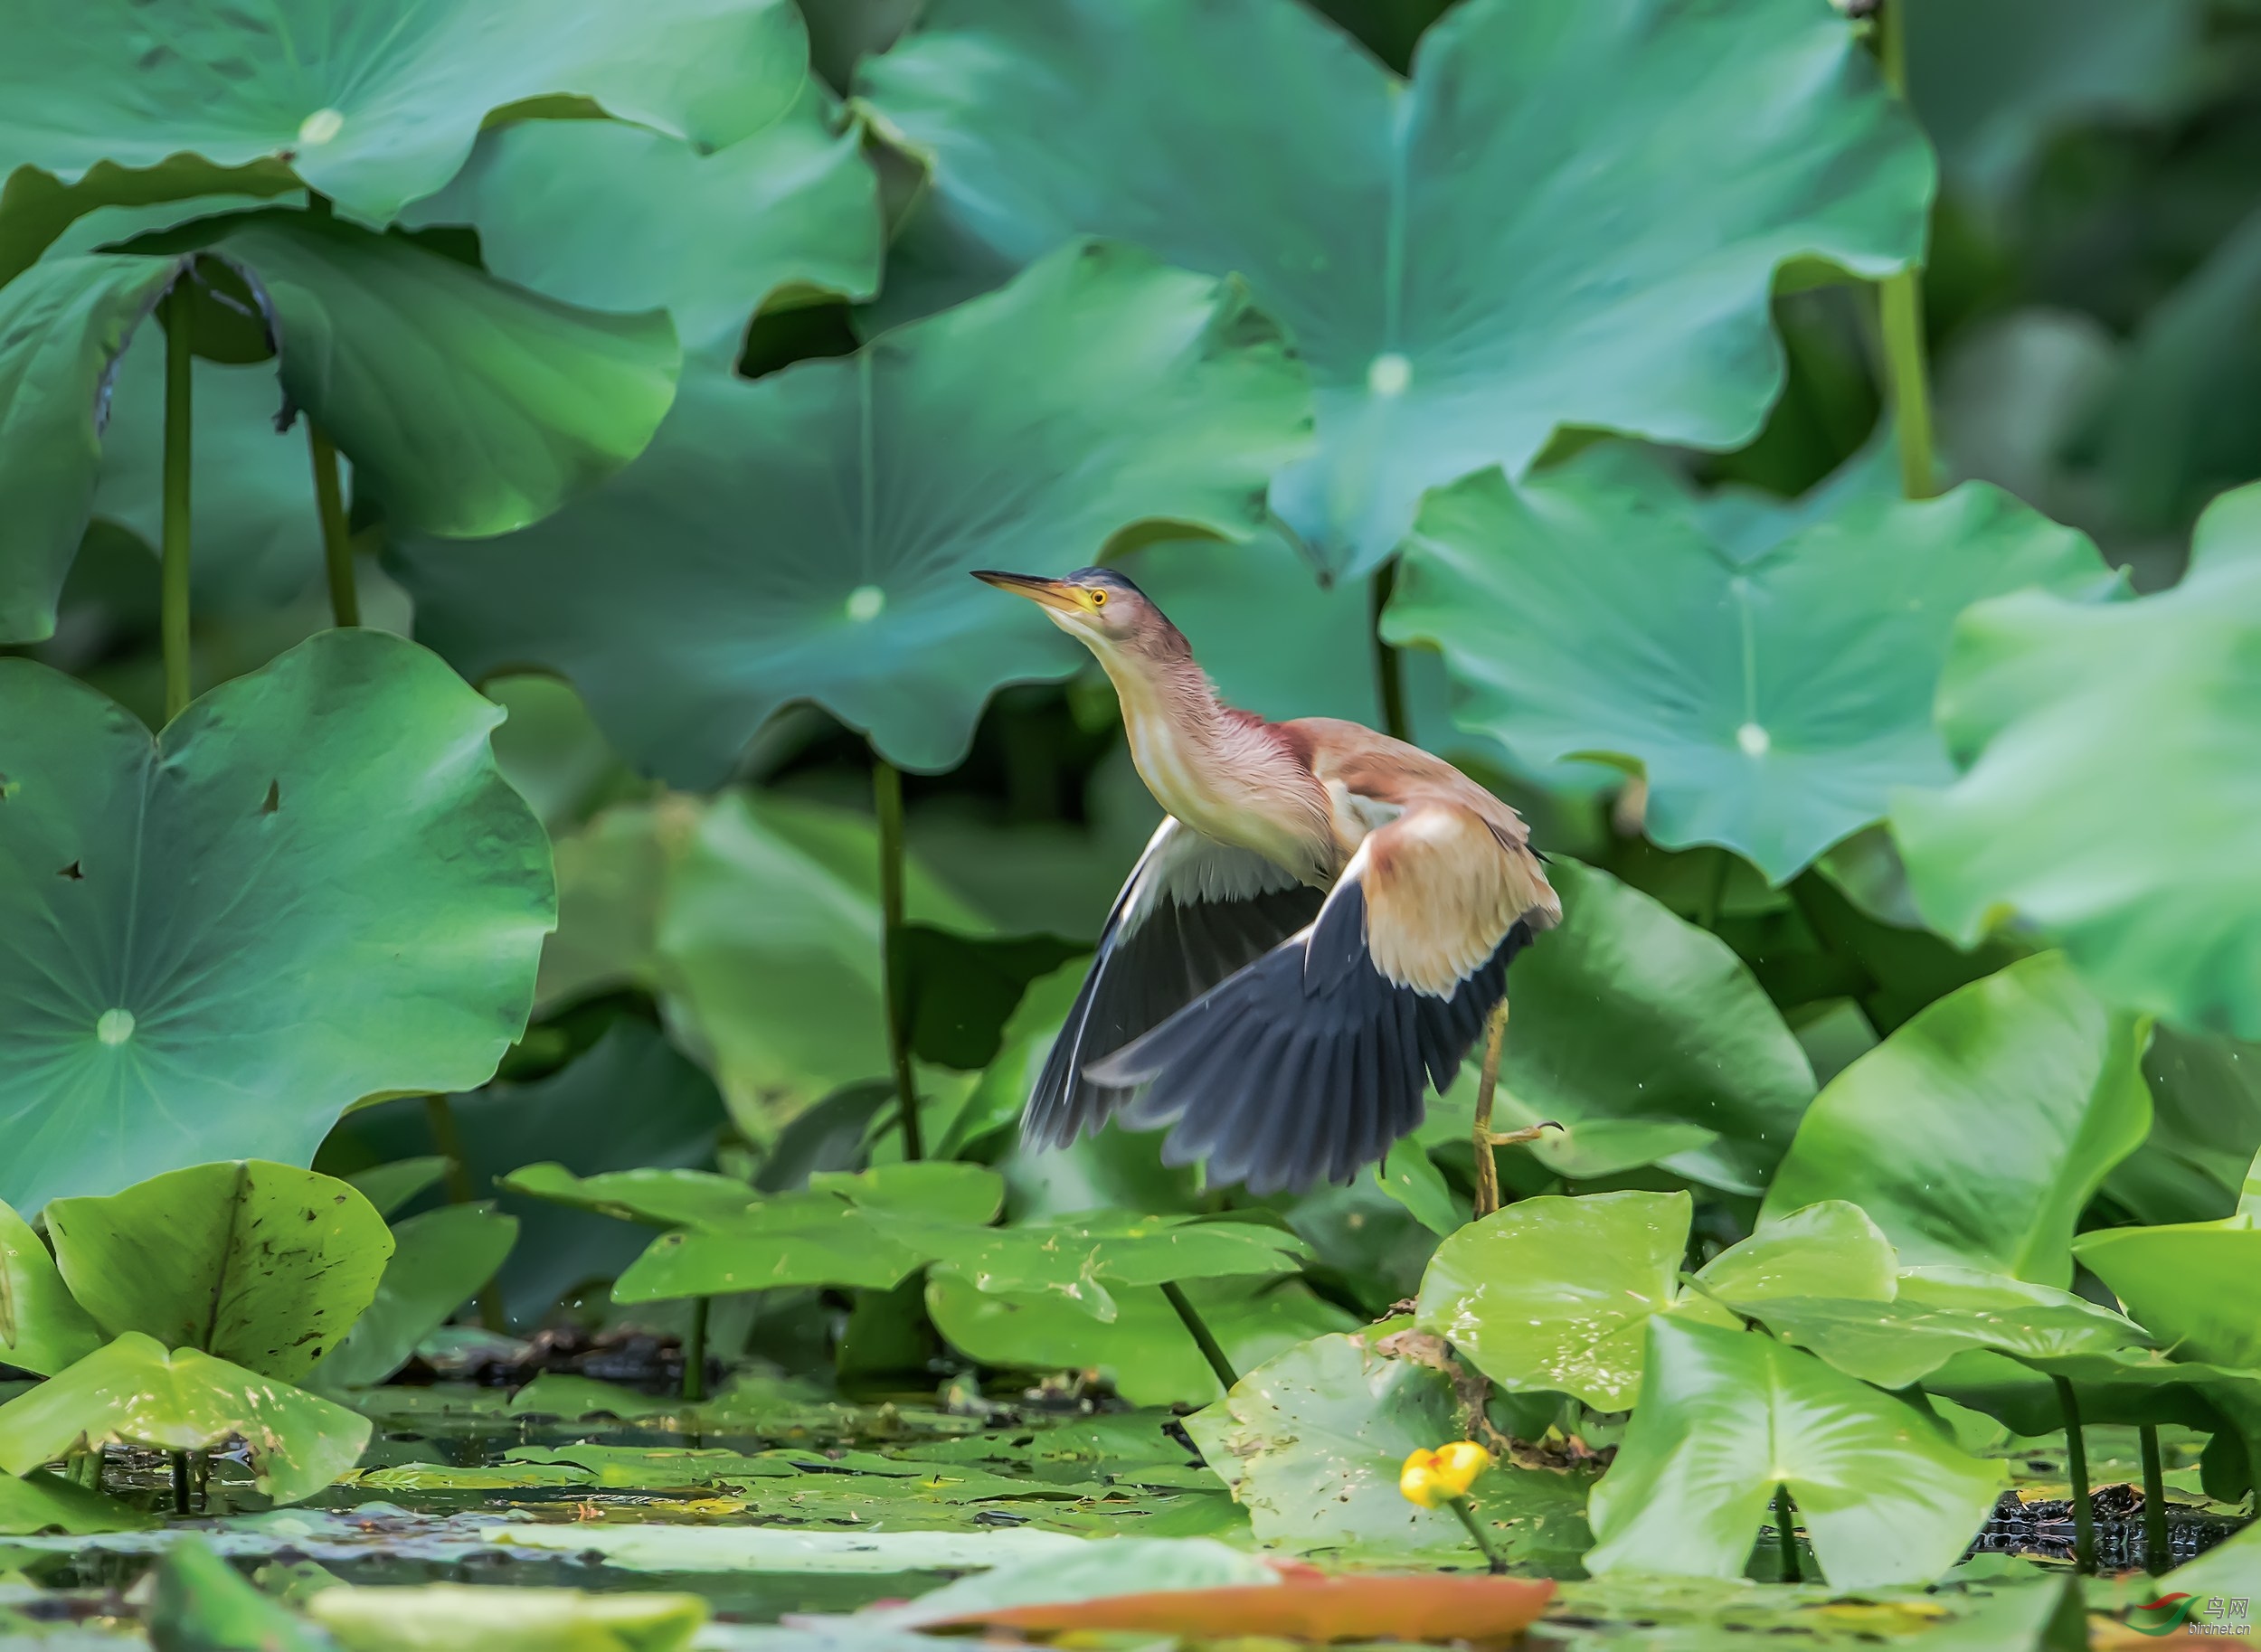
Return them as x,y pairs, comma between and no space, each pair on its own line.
1510,1138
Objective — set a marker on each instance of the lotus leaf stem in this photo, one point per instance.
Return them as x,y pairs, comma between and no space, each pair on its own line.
172,611
440,1116
888,794
1786,1537
180,1483
1389,676
695,1351
1900,305
1203,1338
2077,1468
337,542
2158,1553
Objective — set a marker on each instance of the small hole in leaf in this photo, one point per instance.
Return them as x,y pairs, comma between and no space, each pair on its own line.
72,872
274,797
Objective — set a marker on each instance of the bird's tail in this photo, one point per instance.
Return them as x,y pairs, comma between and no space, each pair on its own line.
1305,1066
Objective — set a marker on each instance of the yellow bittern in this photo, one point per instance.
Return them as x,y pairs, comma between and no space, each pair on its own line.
1320,927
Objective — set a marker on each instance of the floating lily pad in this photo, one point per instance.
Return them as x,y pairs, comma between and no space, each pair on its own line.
615,217
264,1265
273,874
1468,262
135,1391
447,1617
1774,687
62,327
375,106
809,534
655,1198
2111,755
2027,1085
1724,1417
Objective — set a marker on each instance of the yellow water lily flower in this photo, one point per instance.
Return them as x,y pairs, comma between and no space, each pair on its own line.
1434,1478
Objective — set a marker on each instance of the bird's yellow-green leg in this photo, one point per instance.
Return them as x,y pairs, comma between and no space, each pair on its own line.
1487,1169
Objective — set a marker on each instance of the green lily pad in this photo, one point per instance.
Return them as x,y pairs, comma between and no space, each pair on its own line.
2111,755
2196,1285
135,1391
1554,1293
1627,1012
1830,1249
42,1328
969,1194
615,217
655,1198
263,1265
1409,1175
62,328
1126,1566
273,874
201,1604
1144,1349
724,1548
1773,687
1975,1134
468,407
48,1503
456,1618
791,1238
809,534
1076,1258
1725,1416
1930,1316
440,1261
375,106
1469,262
1313,1442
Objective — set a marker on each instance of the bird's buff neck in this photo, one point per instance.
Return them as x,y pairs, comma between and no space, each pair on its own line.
1226,773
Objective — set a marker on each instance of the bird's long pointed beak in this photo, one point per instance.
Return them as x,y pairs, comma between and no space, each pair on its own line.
1049,593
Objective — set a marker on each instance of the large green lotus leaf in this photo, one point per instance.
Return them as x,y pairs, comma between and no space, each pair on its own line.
265,1265
769,945
36,210
375,104
62,327
611,874
180,919
1994,81
632,1098
1627,1012
391,1186
1145,1349
134,1390
470,407
42,1328
1725,1416
1933,1315
48,1503
1554,1293
1827,1250
441,1260
2206,1128
1773,695
1312,1443
809,535
256,537
616,217
2111,756
2196,1285
792,1238
1469,262
1975,1134
966,1193
655,1198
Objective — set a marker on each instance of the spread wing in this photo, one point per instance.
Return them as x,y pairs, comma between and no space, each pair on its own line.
1193,912
1306,1065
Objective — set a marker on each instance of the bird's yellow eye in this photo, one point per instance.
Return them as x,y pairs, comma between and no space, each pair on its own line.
1099,599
